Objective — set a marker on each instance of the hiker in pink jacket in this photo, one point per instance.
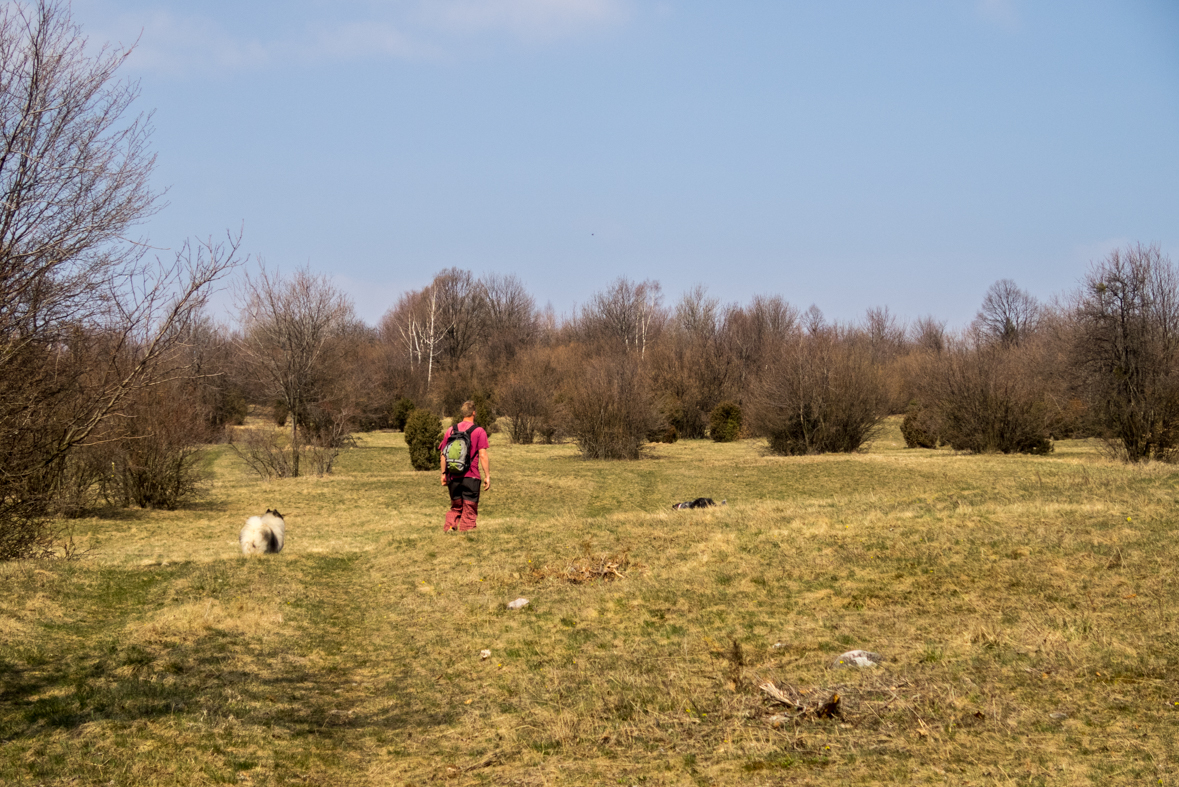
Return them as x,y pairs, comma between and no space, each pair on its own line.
464,489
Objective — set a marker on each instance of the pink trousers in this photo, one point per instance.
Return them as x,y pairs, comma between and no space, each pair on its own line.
461,516
464,504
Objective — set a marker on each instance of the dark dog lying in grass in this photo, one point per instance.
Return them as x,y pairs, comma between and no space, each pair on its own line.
700,502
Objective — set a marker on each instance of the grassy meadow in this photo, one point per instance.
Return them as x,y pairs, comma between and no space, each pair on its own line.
1026,607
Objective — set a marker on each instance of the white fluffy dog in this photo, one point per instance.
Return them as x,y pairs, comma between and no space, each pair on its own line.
263,534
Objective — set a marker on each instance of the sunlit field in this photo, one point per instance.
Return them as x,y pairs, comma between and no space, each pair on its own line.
1025,607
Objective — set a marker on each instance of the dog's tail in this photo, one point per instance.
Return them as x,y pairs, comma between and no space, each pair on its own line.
277,526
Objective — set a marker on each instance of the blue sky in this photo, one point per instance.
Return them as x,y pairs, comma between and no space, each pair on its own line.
846,154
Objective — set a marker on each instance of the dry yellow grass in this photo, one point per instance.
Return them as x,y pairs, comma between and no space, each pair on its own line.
1025,606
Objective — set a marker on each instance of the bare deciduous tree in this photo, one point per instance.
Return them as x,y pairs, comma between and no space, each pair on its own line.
73,172
287,326
84,320
885,334
527,395
1127,350
626,315
692,368
417,325
609,408
929,333
754,334
510,322
1008,314
697,315
462,308
441,324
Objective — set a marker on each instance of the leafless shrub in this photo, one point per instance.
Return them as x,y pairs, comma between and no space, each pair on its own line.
323,457
155,451
609,407
149,455
527,397
152,455
524,403
264,451
328,432
324,429
82,482
822,394
988,397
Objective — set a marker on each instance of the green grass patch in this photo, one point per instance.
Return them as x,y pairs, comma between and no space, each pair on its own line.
1024,604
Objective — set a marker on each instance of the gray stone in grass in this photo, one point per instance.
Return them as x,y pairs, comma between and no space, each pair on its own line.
859,658
519,603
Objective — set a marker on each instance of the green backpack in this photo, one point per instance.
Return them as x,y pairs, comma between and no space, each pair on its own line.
457,450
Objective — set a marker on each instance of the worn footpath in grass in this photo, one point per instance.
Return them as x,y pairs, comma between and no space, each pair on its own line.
1026,606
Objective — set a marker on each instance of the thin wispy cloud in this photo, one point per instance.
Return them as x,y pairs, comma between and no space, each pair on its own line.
999,12
178,41
356,40
166,42
528,19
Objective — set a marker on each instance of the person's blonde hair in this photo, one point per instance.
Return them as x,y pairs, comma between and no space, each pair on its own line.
468,409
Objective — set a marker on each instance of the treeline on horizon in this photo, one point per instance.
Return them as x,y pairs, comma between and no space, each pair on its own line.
624,371
628,369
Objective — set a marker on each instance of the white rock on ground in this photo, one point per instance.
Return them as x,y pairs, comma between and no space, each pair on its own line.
519,603
859,658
